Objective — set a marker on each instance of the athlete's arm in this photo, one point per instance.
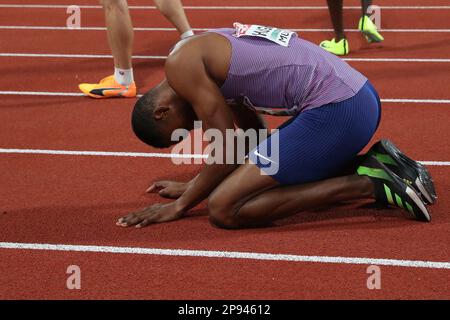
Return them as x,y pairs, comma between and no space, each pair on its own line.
188,76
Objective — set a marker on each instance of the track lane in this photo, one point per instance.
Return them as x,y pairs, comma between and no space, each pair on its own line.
42,275
245,2
78,123
58,205
391,19
30,205
392,79
401,45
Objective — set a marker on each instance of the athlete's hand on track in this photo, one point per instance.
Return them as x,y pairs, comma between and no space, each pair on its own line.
168,189
155,214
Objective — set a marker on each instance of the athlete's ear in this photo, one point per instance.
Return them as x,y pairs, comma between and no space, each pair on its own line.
160,112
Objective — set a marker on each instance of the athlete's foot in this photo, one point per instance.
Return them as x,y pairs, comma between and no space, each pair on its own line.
412,172
391,190
108,88
369,30
339,48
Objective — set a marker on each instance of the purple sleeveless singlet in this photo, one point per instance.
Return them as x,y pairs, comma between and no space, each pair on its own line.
300,77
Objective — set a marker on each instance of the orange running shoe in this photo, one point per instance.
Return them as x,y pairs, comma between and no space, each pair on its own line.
108,88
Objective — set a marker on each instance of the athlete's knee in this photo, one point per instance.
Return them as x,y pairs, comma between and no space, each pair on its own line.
114,4
221,213
222,222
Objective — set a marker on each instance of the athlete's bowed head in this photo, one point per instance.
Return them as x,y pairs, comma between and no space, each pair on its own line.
160,112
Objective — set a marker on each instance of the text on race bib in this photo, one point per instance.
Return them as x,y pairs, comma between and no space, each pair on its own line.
279,36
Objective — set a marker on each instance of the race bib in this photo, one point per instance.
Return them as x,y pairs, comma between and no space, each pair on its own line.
279,36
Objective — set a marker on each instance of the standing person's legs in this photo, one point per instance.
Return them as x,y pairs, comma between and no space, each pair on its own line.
339,44
335,7
120,38
366,26
365,4
174,12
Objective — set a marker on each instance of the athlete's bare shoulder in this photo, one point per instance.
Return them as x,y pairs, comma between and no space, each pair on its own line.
211,49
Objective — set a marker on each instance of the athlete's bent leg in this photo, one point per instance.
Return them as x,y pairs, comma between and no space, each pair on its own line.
306,155
248,198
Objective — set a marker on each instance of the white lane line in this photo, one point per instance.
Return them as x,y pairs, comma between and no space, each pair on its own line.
39,93
444,101
93,56
228,255
140,154
44,93
156,57
76,94
435,163
104,153
396,59
61,6
205,29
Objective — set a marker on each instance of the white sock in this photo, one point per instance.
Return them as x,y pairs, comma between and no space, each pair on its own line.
187,34
123,76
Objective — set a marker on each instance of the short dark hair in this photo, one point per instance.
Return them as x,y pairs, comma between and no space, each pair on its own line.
143,123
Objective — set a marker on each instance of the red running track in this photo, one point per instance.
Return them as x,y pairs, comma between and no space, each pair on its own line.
75,199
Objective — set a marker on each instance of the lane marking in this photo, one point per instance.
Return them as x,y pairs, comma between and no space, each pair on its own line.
444,101
396,59
39,93
76,94
61,6
104,153
205,29
156,57
96,56
227,255
140,154
435,163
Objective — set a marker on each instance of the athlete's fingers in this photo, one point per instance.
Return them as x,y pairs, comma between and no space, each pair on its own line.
142,224
132,221
138,216
166,193
154,187
147,221
162,192
129,216
157,185
123,222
